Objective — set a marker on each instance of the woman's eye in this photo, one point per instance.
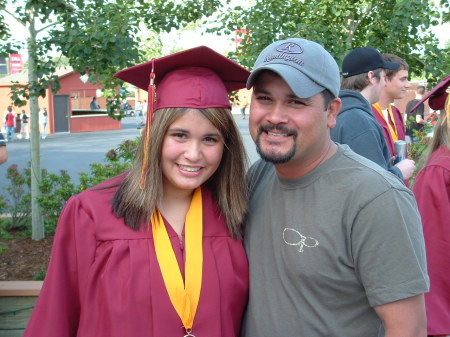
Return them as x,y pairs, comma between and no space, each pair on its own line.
179,135
210,140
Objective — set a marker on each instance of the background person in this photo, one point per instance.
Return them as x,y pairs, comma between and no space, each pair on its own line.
387,115
43,119
156,251
18,126
25,127
418,114
334,241
363,72
10,121
94,104
432,191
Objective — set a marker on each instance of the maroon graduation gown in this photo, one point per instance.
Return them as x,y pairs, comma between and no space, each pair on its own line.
432,191
104,279
398,120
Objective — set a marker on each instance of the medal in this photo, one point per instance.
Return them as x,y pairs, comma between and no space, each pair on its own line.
189,333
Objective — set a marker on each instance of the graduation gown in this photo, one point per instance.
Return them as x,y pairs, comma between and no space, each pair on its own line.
400,125
104,279
432,191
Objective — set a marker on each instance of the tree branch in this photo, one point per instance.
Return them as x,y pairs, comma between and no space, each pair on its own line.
3,8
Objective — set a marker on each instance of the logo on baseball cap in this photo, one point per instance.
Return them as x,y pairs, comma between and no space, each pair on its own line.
305,66
364,59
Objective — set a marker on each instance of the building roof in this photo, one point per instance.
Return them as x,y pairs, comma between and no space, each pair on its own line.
22,77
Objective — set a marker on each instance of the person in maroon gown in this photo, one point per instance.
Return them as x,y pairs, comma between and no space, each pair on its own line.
157,250
432,191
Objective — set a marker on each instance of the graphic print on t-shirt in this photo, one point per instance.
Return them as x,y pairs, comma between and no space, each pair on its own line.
293,237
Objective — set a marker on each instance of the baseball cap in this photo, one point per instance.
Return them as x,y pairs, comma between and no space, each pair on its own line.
194,78
436,97
364,59
305,66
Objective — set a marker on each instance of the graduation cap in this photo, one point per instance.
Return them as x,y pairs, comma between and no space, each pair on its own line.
196,78
436,97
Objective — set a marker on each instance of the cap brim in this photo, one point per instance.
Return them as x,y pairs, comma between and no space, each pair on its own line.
442,84
292,77
391,65
233,75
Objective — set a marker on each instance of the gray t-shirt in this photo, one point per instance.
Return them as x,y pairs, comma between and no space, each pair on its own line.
327,247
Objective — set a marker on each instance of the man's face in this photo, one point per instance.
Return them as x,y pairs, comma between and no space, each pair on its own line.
288,130
397,86
378,86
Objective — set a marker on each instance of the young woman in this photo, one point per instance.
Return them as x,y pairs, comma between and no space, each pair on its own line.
156,251
432,191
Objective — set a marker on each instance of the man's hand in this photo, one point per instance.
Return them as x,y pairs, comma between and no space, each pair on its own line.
407,167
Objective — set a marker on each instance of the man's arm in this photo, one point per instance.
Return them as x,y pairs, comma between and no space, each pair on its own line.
404,318
3,154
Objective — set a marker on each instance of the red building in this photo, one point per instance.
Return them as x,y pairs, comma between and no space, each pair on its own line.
68,109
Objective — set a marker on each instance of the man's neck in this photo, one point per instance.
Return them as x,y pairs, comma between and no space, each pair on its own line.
384,101
368,94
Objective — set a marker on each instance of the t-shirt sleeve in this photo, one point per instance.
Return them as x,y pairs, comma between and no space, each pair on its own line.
57,310
389,255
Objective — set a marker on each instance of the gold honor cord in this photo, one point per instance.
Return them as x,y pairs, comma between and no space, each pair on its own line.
392,131
183,295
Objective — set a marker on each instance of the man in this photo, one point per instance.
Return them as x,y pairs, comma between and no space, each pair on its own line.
387,115
3,151
418,114
330,253
94,105
363,71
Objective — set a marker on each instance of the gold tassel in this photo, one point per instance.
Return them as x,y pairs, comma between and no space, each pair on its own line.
148,124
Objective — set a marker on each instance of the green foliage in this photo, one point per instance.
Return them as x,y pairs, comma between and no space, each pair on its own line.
18,198
97,37
118,160
392,26
40,275
56,189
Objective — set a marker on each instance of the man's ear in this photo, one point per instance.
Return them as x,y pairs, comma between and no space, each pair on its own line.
333,110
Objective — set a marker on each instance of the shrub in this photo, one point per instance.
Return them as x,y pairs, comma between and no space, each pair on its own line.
16,202
56,189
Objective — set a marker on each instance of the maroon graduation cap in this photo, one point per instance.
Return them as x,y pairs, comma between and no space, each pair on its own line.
436,96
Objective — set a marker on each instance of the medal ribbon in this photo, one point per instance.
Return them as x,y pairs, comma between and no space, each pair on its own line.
392,130
183,295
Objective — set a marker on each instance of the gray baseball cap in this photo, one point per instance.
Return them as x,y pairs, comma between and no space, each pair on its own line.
305,66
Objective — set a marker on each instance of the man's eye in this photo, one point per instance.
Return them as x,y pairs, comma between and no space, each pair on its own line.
263,98
297,102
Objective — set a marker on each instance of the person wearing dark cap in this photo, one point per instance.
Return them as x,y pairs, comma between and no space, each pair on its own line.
363,71
432,191
156,251
330,253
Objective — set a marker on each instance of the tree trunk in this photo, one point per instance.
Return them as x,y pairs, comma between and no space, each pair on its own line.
37,222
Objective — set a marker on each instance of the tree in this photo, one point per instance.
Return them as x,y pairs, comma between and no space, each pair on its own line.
393,26
99,37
